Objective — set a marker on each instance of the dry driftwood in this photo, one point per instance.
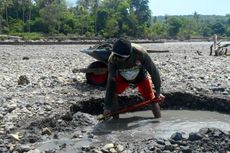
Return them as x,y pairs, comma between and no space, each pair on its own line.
157,51
218,48
91,70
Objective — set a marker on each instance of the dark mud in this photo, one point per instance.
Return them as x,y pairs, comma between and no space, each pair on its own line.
53,110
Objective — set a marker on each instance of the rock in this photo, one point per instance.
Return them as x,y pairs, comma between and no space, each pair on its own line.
77,134
11,107
9,126
96,151
48,108
186,149
32,138
2,131
55,136
120,148
1,116
157,150
34,151
84,119
160,141
23,80
3,149
91,136
107,147
217,133
193,136
11,147
15,136
112,150
85,148
166,151
168,146
24,148
25,58
46,131
177,136
204,131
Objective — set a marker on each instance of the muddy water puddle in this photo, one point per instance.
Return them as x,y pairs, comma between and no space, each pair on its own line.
141,125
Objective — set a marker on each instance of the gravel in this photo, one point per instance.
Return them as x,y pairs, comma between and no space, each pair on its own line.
37,89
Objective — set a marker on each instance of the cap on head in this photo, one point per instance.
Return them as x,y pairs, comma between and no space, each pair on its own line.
122,47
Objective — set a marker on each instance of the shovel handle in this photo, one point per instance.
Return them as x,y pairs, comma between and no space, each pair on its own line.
130,108
136,106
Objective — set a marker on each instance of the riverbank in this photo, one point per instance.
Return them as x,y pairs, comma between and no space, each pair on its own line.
16,40
36,107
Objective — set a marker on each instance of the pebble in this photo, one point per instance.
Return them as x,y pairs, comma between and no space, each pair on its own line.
112,150
1,116
11,107
120,148
108,146
177,136
24,148
34,151
193,136
46,131
86,148
15,136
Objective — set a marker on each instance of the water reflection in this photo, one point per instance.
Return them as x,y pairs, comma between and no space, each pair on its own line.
141,125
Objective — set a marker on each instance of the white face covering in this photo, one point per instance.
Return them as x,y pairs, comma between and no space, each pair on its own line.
130,74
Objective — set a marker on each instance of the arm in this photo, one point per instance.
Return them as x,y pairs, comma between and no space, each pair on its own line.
153,71
111,85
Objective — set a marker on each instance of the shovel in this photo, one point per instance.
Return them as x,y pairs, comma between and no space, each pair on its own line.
130,108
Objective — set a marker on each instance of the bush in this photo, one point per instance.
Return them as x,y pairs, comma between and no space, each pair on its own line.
16,26
29,36
38,25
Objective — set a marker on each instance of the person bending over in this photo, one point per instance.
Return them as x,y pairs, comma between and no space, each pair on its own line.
130,64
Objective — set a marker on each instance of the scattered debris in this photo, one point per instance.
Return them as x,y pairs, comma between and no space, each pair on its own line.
23,80
46,131
218,48
25,58
16,136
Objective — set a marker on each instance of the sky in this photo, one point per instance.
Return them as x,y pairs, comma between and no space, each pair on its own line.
187,7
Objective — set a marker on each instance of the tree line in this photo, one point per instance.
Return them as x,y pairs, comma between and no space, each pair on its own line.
104,18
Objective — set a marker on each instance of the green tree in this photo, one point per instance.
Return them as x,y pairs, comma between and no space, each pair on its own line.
101,18
5,4
1,16
38,25
196,17
142,11
68,23
51,15
132,29
158,30
1,24
228,21
174,25
228,31
16,26
218,28
111,28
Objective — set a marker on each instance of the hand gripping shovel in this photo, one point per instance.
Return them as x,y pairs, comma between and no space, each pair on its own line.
130,108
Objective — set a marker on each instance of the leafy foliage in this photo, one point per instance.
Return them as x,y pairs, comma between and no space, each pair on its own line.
107,18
